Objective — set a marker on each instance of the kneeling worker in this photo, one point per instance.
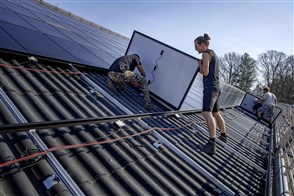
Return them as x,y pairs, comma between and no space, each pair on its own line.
122,71
269,104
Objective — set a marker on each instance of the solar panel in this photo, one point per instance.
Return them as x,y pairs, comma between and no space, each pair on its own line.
165,67
105,56
45,28
36,43
18,8
81,53
11,17
47,19
7,42
36,7
2,5
99,43
30,27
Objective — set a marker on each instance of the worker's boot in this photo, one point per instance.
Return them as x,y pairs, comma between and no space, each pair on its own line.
148,104
209,148
223,138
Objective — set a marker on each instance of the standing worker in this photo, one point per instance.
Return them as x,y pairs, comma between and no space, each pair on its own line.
209,68
122,71
269,103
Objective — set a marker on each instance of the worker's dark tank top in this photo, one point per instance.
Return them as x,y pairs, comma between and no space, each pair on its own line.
212,79
129,62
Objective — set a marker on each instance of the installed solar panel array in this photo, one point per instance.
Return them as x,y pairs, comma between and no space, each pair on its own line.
31,28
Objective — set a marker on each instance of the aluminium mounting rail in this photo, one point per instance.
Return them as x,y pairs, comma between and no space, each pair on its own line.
12,128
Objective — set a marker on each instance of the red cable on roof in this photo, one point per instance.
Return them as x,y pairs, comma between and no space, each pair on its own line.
86,144
40,70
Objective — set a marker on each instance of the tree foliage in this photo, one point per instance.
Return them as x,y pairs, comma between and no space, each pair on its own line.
246,72
238,70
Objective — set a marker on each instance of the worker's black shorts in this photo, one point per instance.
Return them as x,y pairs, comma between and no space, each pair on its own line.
210,99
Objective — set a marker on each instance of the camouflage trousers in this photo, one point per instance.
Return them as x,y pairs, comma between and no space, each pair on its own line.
119,79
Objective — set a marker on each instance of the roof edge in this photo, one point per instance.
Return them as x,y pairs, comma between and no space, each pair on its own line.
66,13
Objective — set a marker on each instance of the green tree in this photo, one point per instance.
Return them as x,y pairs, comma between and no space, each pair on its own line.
238,70
246,72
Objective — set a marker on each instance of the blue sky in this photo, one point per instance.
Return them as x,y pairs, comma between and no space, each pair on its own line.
234,26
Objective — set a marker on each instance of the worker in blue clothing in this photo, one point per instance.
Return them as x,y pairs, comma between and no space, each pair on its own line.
209,68
122,71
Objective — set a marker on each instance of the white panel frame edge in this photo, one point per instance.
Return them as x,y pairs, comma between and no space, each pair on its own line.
175,73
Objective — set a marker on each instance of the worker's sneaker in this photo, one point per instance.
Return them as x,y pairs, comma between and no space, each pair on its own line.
223,138
209,148
149,106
